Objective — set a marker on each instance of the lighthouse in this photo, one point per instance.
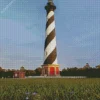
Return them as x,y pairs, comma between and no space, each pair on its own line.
50,66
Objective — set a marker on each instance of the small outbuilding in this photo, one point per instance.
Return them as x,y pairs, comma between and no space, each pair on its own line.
19,74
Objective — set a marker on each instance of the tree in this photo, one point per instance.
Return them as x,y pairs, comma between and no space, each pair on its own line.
30,73
38,71
98,66
87,66
22,68
0,68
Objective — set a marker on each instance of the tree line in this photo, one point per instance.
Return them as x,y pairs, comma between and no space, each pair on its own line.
74,71
85,71
91,72
9,73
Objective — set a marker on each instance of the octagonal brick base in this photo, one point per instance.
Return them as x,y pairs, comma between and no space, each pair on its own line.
50,70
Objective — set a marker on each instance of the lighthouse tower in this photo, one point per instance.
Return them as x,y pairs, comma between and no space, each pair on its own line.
50,66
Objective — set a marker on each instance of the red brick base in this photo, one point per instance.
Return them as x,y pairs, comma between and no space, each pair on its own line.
50,70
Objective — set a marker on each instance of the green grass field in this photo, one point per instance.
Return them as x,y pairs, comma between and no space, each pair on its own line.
50,89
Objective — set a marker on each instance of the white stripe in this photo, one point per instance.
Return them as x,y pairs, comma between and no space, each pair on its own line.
50,28
55,62
51,46
50,14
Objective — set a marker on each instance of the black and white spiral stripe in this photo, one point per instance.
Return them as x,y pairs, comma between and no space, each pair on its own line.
50,56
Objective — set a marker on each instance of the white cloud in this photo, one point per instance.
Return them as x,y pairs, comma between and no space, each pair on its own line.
7,6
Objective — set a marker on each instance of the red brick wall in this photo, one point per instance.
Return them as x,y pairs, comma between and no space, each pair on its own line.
16,74
57,70
21,74
52,71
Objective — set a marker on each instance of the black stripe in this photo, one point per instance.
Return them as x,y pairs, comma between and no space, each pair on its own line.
50,20
51,58
49,38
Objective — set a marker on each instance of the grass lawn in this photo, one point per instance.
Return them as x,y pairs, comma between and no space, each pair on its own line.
50,89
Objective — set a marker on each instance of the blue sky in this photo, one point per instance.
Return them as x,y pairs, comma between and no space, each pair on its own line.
22,33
